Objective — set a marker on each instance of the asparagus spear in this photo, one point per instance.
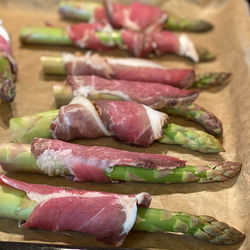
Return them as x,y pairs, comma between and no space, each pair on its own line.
63,95
25,129
59,36
198,114
193,139
7,85
19,158
83,11
55,65
16,205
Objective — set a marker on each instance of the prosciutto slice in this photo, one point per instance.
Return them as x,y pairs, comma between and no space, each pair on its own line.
140,44
126,121
127,69
136,16
89,163
106,216
154,95
5,49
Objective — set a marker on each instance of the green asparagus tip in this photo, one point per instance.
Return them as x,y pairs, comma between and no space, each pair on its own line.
7,89
211,79
190,138
221,171
205,55
218,232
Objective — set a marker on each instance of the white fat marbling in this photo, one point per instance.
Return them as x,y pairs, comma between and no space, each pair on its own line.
157,121
134,62
3,32
130,208
187,48
89,106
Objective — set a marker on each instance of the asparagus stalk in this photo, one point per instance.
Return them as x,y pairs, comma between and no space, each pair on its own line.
83,11
198,114
25,129
183,24
58,36
55,65
16,205
7,85
19,158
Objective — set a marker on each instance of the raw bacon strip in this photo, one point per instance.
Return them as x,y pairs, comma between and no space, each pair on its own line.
154,95
127,121
127,69
106,216
88,163
136,16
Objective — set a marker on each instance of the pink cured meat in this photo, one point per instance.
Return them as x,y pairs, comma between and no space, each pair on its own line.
141,44
127,121
85,65
88,163
83,35
5,51
136,16
75,121
102,215
153,95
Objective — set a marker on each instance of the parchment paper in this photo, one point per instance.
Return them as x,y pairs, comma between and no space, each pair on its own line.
228,201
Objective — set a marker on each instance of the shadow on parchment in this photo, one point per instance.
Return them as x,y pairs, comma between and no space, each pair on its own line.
135,239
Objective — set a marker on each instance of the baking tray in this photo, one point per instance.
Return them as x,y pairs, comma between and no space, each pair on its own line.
228,201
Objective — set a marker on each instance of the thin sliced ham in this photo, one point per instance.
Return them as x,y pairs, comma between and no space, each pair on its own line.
140,44
130,122
106,216
5,49
136,16
154,95
89,163
127,69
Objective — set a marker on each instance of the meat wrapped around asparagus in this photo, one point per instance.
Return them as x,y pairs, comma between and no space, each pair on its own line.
129,122
136,16
103,164
130,69
158,96
8,67
106,216
96,36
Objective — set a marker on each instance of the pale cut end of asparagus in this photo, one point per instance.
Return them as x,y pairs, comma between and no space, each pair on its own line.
212,79
45,35
25,129
78,10
190,138
187,25
62,94
53,65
